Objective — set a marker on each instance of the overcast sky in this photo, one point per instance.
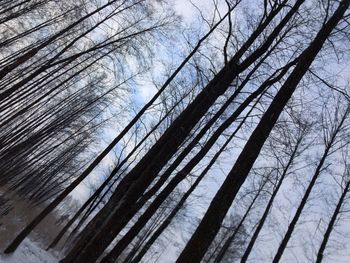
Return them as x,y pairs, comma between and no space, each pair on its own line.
188,12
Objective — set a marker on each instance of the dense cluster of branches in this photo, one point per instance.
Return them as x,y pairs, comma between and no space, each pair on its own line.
61,67
252,104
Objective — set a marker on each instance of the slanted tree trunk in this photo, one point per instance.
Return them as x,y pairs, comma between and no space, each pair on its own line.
307,193
331,223
23,234
147,169
222,252
94,196
270,203
146,216
202,238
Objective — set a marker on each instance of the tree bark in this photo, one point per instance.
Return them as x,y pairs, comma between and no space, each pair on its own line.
307,193
269,205
148,168
202,238
331,224
22,235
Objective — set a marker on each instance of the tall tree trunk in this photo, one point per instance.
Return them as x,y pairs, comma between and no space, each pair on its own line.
222,252
120,221
93,197
186,170
128,237
22,235
269,205
202,238
147,169
307,193
332,223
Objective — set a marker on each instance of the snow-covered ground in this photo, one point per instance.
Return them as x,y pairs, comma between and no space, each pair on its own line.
29,252
32,249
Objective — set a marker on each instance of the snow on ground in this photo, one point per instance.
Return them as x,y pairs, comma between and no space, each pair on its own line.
29,252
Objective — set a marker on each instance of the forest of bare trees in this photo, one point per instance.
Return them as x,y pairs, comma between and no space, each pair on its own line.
174,131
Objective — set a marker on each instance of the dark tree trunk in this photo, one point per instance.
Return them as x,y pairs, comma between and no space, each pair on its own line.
128,237
20,237
332,223
222,252
147,169
269,205
307,193
202,238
